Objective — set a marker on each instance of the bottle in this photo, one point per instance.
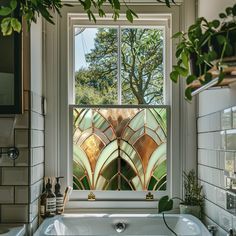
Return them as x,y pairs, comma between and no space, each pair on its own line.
50,209
43,201
59,197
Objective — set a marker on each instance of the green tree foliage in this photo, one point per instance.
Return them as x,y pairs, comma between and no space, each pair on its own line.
141,68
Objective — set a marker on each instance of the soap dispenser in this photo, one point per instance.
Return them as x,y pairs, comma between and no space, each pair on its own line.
59,197
50,200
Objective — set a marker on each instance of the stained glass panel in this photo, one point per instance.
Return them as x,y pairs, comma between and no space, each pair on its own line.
120,148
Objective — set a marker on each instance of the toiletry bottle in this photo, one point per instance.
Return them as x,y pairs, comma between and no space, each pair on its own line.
50,200
43,201
59,197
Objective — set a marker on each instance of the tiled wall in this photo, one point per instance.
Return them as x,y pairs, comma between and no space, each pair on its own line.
216,143
21,180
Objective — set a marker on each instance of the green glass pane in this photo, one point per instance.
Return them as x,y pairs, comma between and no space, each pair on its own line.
78,171
85,183
111,170
151,122
127,170
161,184
136,136
76,184
160,170
100,122
113,184
124,185
138,121
152,184
85,120
154,136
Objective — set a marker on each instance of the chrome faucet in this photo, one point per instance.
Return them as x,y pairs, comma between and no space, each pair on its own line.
120,227
230,233
212,229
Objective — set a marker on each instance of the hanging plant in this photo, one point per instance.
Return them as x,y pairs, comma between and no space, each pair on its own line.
31,9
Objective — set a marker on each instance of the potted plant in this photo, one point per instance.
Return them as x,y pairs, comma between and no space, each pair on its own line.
200,47
193,198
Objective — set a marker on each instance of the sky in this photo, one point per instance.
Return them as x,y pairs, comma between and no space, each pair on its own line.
84,42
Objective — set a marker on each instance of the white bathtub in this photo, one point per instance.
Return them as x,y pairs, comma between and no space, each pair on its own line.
136,224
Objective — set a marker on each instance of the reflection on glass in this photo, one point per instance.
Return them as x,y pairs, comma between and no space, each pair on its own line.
111,154
142,65
7,70
96,56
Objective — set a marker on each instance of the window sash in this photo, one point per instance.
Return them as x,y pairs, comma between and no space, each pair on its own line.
155,20
82,195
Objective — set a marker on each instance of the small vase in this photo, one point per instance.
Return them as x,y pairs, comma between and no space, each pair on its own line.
193,210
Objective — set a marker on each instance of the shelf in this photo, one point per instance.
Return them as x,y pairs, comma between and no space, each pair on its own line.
230,77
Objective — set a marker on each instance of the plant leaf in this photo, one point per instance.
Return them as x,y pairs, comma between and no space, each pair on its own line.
16,25
165,204
190,79
13,4
188,94
222,15
5,11
129,16
174,75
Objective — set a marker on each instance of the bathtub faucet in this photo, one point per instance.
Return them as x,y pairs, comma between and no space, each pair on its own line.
120,227
212,229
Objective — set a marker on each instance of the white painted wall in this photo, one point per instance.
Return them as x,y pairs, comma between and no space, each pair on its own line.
36,50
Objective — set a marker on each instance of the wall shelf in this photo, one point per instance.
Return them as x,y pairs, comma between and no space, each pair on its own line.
229,66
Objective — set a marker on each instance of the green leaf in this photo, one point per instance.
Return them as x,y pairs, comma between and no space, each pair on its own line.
5,11
221,77
165,204
174,75
216,23
87,4
190,79
221,39
228,10
188,94
181,70
208,77
177,35
222,15
234,10
129,16
13,4
185,59
116,4
6,26
16,25
167,3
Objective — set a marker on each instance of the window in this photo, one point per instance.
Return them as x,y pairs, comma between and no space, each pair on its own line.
119,108
119,65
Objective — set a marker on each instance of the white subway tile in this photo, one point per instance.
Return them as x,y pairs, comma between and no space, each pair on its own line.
225,219
37,138
14,213
34,207
5,160
22,121
37,121
231,139
226,119
7,132
37,156
14,176
21,138
234,116
23,159
21,194
36,103
6,194
215,121
37,173
36,190
221,197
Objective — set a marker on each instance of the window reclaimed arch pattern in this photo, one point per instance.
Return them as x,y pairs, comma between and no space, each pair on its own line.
119,148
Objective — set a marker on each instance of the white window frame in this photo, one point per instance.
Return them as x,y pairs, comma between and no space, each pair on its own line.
149,21
57,90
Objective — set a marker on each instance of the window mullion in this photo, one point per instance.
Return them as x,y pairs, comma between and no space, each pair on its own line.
119,82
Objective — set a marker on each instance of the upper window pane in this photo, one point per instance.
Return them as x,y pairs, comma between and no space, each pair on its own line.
96,65
119,65
142,66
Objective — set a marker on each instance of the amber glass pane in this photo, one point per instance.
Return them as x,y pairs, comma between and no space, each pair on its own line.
119,149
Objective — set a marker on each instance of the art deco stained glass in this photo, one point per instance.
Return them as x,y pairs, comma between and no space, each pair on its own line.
119,148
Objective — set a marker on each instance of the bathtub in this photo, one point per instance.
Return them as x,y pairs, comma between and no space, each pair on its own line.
121,224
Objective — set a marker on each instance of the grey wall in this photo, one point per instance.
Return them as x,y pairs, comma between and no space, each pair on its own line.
214,144
21,180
